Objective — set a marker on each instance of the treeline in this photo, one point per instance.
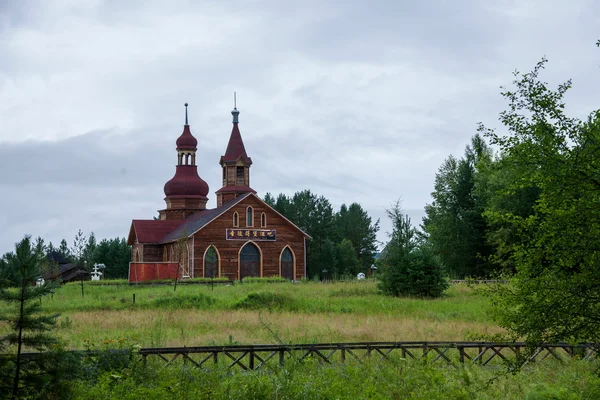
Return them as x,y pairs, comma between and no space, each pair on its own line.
84,251
529,209
344,242
455,224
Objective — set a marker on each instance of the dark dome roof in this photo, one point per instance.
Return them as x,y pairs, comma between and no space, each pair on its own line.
186,141
186,182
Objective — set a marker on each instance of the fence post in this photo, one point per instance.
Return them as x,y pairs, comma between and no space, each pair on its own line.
281,357
461,350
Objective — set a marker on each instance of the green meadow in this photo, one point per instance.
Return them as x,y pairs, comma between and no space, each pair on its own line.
106,319
262,312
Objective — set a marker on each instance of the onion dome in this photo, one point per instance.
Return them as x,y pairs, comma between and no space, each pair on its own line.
186,182
186,141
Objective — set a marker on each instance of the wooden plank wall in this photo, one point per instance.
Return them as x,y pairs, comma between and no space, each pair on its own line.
215,234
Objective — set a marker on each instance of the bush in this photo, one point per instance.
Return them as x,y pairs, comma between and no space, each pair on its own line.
268,300
409,267
418,273
174,302
271,279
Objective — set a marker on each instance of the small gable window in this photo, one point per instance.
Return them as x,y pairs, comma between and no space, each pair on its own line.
236,220
263,220
249,216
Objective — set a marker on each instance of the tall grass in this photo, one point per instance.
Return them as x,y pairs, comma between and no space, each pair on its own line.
371,380
262,312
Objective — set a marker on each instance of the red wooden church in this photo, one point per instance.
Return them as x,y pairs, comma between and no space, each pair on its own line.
243,236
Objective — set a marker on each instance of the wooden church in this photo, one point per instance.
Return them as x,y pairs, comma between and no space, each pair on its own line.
242,237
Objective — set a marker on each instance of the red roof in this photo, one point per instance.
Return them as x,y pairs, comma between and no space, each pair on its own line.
186,182
151,231
186,141
236,189
235,147
165,231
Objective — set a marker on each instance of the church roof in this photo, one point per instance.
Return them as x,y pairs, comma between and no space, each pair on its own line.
199,220
235,147
165,231
151,231
236,189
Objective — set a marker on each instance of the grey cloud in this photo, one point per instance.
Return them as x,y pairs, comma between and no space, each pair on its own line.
357,101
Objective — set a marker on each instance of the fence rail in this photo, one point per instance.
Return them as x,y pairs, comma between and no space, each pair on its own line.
251,357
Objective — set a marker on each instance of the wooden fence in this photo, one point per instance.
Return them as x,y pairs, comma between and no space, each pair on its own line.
251,357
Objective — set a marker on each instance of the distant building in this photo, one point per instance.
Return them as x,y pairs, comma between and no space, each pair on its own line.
242,237
60,268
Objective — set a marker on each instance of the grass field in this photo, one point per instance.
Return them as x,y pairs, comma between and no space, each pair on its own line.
106,318
262,313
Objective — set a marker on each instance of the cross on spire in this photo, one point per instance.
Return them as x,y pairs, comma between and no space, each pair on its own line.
235,111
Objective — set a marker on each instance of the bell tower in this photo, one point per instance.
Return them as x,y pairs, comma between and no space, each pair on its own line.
186,192
235,164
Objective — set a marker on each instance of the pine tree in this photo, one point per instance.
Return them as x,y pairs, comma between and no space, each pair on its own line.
409,268
348,263
29,328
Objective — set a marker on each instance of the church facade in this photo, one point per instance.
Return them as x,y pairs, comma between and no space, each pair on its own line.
242,237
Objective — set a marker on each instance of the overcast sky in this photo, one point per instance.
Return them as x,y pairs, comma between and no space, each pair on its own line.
359,101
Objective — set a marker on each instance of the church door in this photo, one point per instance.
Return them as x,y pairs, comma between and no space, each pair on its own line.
287,264
211,263
249,261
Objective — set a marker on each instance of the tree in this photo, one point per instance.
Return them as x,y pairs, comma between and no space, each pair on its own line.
555,293
115,254
494,177
90,249
315,216
78,249
64,250
355,224
269,199
348,263
326,259
282,205
409,267
29,327
454,222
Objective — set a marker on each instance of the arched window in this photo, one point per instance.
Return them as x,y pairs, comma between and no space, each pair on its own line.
249,216
263,220
211,262
250,261
286,262
236,220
